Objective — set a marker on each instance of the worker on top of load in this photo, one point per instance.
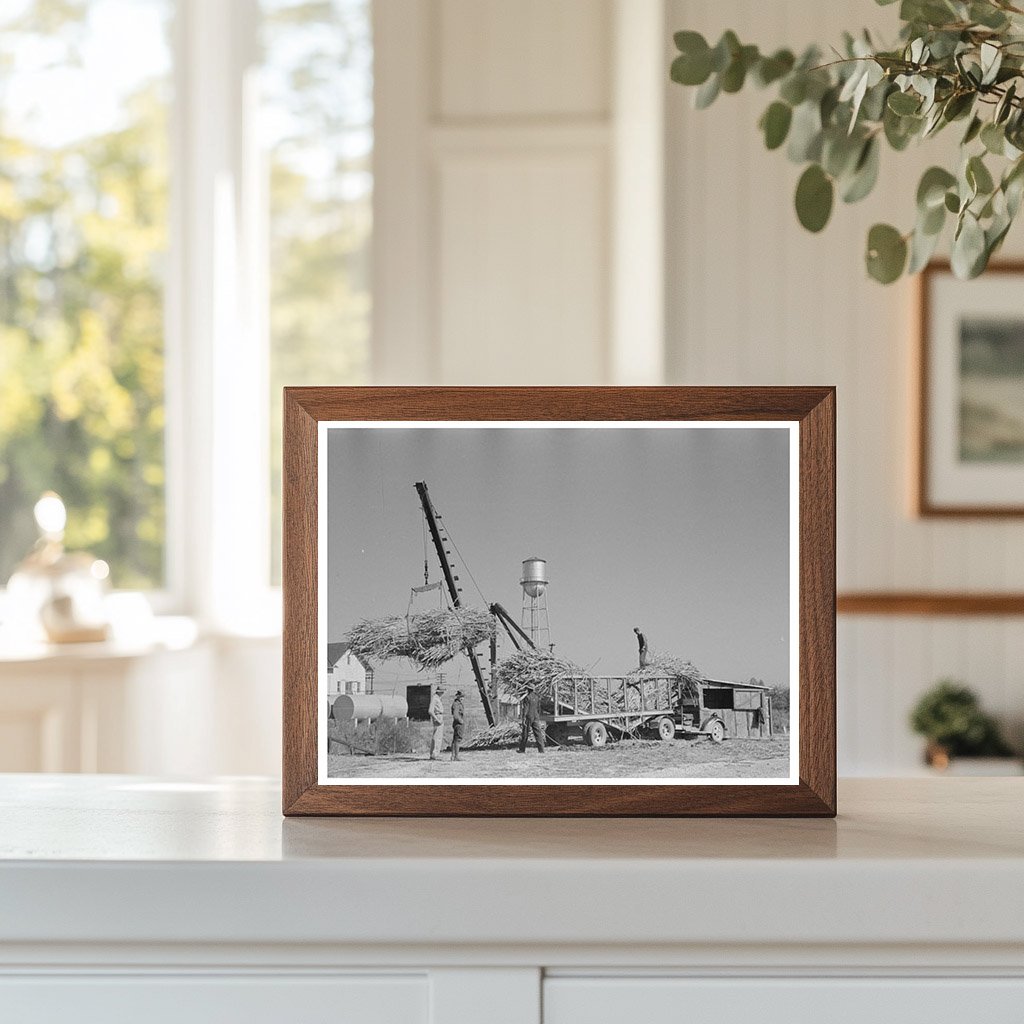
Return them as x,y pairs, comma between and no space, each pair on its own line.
642,642
436,712
530,711
458,724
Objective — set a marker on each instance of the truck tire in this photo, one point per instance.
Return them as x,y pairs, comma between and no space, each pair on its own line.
716,730
595,734
666,728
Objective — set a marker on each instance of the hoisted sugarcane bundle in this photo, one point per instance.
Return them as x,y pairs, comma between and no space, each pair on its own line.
427,639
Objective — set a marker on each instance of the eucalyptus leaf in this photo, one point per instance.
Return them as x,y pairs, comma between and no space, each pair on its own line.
886,253
922,248
735,74
903,103
707,93
973,130
873,106
991,60
794,88
968,247
987,15
805,133
931,190
865,173
775,124
771,69
814,195
1005,105
900,130
932,221
958,105
688,69
993,138
840,152
978,176
724,51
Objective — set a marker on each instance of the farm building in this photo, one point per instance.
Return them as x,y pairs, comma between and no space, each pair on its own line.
346,671
744,708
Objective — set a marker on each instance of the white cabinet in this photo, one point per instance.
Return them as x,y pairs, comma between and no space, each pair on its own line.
829,1000
128,899
201,999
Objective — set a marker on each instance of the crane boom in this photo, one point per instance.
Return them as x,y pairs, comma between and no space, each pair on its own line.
512,627
450,581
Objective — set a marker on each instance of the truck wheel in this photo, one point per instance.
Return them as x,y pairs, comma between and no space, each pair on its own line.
716,731
666,728
595,734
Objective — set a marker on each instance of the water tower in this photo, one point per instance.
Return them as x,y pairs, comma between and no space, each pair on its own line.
535,602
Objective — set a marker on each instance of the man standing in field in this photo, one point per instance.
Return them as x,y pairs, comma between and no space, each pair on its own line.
436,712
531,720
458,724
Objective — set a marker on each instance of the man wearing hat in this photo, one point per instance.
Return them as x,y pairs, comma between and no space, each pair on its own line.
530,710
458,723
436,712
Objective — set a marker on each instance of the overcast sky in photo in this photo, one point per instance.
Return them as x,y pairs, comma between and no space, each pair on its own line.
683,532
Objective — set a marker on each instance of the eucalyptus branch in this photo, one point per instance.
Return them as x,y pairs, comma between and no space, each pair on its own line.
954,60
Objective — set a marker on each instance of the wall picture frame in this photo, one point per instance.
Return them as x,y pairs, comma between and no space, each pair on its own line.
625,596
970,385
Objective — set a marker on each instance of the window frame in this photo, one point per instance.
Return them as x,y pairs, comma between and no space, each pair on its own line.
217,346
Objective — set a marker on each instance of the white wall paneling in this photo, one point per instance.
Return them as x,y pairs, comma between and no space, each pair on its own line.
751,298
513,168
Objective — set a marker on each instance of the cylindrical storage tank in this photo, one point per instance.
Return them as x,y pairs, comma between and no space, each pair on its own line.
368,706
535,576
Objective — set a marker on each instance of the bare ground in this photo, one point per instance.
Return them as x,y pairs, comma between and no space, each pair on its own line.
700,758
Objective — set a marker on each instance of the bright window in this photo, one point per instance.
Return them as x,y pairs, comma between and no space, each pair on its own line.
317,119
83,236
128,347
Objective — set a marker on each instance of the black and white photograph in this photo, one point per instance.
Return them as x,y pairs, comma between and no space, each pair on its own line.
569,602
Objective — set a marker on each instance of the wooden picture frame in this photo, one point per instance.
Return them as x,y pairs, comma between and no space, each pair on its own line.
943,489
809,414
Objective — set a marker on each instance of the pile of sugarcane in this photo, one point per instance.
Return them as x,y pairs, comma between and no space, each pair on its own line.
501,734
538,669
666,666
580,692
427,639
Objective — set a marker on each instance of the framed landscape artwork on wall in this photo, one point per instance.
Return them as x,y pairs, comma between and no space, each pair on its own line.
559,601
970,451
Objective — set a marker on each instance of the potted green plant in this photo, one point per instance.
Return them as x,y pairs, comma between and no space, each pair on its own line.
956,62
950,718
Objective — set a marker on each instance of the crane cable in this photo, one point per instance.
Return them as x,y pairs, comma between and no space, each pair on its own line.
465,565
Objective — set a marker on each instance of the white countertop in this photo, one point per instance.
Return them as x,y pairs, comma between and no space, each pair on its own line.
121,859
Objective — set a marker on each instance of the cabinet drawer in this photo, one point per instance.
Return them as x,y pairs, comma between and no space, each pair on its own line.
661,1000
202,999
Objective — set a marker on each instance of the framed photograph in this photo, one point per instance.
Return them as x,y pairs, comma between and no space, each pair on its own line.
559,601
970,451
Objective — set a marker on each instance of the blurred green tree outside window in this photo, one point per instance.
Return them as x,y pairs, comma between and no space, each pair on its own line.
83,237
84,210
317,118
